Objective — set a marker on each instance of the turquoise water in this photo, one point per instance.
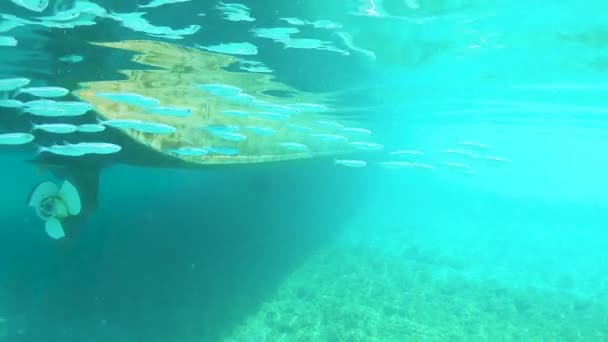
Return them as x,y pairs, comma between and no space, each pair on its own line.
511,249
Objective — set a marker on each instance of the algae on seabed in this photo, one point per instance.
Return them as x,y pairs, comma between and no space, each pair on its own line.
356,294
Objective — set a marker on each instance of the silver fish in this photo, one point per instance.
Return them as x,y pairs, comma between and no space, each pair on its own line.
459,152
272,116
357,130
334,138
406,152
16,138
293,146
299,128
350,163
71,59
140,126
459,166
11,104
189,151
367,146
226,151
46,111
496,160
423,166
170,111
95,147
229,136
222,90
81,149
309,107
91,128
393,165
221,128
131,99
40,103
274,108
62,150
261,130
10,84
58,128
45,91
73,108
474,145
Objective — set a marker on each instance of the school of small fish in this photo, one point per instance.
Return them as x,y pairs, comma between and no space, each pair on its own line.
44,102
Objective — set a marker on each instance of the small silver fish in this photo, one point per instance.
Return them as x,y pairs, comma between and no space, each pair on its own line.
71,59
460,166
16,138
272,116
131,99
222,90
299,128
10,84
226,151
91,128
95,147
423,166
393,165
496,160
45,91
11,104
474,145
189,151
263,131
229,136
39,103
458,152
170,111
357,130
293,146
140,126
367,146
406,152
54,108
221,128
272,108
335,138
62,150
45,111
58,128
350,163
73,108
309,107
